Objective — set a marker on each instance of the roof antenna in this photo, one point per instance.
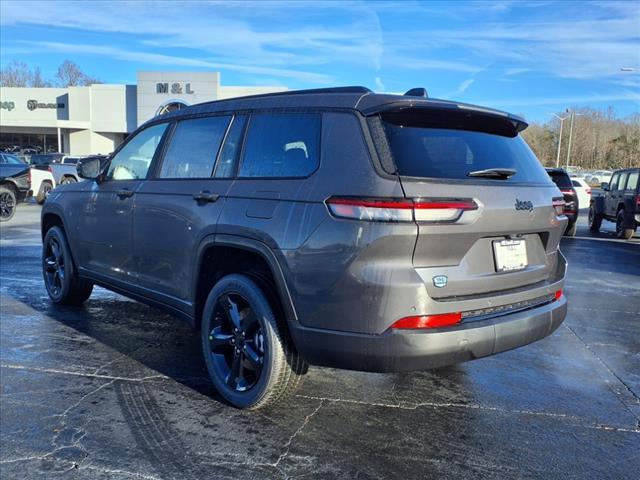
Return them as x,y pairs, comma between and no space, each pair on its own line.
417,92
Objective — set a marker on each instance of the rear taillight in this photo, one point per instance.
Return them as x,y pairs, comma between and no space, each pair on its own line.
558,205
440,210
427,321
588,190
558,295
50,169
638,201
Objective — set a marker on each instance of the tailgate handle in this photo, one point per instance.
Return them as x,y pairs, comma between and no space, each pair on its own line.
124,193
206,197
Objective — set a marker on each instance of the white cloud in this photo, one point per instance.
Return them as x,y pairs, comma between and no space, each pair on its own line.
161,59
464,85
562,101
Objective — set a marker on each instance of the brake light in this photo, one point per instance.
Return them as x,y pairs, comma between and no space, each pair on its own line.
437,210
588,190
638,201
558,205
558,295
427,321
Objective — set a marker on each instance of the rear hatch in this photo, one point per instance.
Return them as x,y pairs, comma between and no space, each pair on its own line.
502,232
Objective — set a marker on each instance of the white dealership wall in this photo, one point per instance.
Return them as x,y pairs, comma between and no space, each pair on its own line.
96,118
87,120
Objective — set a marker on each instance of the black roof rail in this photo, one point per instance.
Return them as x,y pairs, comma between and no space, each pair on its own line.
352,89
417,92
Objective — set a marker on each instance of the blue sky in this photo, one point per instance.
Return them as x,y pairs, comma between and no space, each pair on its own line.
531,58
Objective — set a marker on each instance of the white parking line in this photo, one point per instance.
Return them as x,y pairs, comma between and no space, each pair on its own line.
616,240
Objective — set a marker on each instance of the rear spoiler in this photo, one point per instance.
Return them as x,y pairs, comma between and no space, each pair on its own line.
440,114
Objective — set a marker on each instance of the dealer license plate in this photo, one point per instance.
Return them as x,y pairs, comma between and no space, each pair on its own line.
510,255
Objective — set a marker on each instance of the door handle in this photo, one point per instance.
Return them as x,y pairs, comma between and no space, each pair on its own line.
206,197
124,193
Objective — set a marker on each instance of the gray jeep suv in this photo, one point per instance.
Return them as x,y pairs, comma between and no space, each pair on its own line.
333,227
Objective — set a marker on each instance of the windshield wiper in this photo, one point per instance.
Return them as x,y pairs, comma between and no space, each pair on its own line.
499,173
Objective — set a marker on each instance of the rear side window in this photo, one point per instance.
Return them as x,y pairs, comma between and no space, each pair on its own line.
193,148
632,183
424,146
282,145
561,179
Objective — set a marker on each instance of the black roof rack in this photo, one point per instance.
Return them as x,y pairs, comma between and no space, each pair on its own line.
352,89
417,92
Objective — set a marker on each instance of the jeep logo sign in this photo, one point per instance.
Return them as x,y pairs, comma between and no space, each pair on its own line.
524,205
174,88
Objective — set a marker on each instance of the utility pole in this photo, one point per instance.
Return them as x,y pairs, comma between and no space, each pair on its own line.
562,119
573,114
570,134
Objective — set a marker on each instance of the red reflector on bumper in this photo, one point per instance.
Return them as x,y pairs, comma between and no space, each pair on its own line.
558,295
428,321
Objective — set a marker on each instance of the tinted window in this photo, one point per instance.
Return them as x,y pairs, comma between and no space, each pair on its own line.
614,182
193,148
623,181
453,153
132,162
11,159
575,183
281,145
45,159
632,183
561,179
231,148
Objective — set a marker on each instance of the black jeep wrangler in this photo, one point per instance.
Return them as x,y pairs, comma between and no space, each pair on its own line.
620,203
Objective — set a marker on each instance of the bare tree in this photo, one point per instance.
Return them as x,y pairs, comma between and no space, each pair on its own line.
600,140
15,74
37,81
69,74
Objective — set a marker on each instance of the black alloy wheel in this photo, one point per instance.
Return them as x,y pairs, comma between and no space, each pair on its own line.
54,267
249,354
7,204
61,279
236,342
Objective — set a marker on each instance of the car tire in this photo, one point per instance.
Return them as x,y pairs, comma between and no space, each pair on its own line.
250,357
595,220
571,229
45,188
621,230
7,203
68,180
61,279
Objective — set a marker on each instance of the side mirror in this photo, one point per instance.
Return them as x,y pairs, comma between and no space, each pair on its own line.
90,168
605,186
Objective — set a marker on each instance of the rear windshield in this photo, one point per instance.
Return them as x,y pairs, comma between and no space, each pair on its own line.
561,179
453,153
44,159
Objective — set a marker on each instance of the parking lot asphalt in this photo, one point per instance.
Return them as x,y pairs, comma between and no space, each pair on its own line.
116,389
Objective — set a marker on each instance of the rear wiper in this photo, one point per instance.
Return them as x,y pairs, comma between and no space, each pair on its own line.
499,173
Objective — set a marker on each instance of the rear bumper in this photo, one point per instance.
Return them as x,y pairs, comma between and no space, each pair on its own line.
407,350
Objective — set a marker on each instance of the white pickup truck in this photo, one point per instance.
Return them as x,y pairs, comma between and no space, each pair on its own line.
42,181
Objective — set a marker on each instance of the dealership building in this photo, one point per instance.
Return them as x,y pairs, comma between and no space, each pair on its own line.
96,118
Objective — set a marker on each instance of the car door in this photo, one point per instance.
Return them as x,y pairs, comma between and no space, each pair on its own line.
611,201
104,227
181,202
